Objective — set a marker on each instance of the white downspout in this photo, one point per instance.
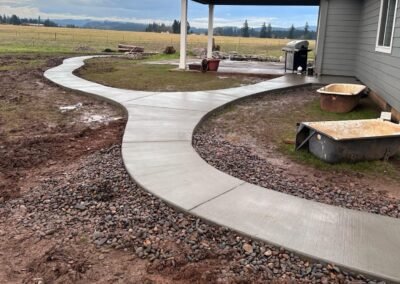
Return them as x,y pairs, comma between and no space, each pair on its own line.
184,12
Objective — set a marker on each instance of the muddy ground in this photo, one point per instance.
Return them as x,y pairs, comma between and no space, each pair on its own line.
69,212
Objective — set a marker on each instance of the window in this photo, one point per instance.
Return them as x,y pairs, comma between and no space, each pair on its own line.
387,19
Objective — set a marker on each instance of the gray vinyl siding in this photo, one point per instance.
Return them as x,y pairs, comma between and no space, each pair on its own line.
341,38
349,47
379,71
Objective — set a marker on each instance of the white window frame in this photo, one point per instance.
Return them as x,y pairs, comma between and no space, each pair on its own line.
381,48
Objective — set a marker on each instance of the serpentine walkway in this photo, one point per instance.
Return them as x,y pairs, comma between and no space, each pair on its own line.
158,154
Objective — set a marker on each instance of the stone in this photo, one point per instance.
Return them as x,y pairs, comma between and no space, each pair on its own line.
101,241
80,206
248,248
98,235
268,253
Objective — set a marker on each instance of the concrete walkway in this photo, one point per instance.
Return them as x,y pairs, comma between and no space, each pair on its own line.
158,154
239,67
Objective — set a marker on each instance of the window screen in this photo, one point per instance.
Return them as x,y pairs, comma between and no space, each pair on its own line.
387,18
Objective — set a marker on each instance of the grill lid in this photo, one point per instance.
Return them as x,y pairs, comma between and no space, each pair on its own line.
297,44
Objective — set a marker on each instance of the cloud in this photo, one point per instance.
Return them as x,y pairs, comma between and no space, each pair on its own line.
162,11
30,12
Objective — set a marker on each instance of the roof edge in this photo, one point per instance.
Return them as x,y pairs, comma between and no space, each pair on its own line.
261,2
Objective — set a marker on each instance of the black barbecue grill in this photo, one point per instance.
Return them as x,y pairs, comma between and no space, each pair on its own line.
296,55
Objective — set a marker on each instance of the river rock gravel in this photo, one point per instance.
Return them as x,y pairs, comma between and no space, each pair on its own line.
98,202
241,162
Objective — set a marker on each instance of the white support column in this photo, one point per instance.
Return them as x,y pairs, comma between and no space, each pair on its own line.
184,12
210,30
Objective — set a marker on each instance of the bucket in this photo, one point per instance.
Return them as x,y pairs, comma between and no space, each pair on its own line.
213,64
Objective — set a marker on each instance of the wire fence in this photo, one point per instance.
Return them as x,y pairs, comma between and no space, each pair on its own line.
87,40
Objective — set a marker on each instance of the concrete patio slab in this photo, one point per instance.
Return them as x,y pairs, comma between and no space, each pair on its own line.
158,154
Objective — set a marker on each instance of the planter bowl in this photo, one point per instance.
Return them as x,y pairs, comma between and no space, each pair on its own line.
213,64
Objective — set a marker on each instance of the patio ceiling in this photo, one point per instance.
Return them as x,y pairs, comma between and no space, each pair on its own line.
261,2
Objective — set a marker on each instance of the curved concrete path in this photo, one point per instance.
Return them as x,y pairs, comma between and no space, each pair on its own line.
158,154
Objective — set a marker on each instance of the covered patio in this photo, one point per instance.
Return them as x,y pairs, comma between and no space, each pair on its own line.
211,6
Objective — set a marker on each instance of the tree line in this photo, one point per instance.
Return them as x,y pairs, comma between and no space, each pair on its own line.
175,28
15,20
268,32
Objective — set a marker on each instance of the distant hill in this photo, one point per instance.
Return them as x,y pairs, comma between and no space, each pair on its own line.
119,26
77,23
103,25
128,26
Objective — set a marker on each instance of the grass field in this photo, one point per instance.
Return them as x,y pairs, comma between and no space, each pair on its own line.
66,40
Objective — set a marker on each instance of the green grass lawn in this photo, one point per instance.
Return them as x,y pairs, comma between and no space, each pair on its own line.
139,75
271,120
366,110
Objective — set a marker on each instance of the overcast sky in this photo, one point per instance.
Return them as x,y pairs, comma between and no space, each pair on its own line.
145,11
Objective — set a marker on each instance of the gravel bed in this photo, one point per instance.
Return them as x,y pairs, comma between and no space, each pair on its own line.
241,162
100,201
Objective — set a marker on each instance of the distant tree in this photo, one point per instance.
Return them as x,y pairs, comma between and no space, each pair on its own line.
157,28
254,33
151,27
188,27
292,31
48,23
14,20
269,31
245,29
263,31
219,31
176,27
307,31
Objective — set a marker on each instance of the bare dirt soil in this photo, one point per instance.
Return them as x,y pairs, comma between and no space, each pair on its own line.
254,141
35,135
69,212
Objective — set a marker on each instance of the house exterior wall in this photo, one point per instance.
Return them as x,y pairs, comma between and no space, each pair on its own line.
349,47
379,71
341,37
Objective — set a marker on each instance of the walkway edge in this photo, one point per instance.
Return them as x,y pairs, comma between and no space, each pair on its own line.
164,163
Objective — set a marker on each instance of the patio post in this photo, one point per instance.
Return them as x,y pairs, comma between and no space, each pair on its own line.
184,12
210,30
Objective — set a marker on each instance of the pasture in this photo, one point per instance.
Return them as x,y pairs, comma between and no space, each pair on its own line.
22,39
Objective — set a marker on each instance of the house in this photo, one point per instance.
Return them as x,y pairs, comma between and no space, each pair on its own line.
358,38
